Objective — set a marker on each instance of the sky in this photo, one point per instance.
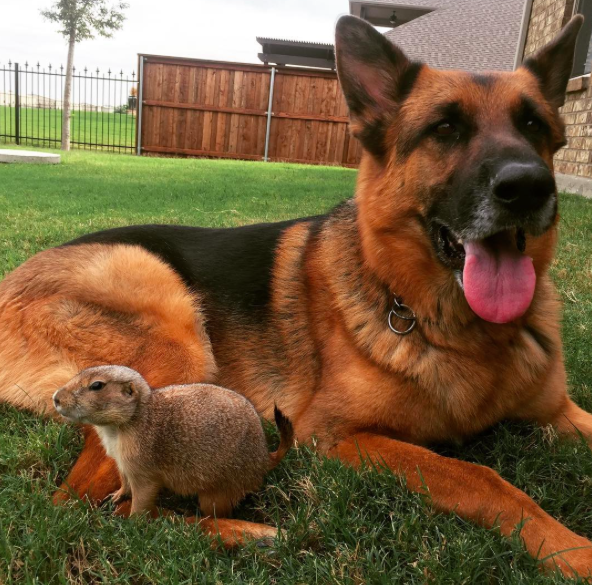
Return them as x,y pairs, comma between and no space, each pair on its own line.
222,30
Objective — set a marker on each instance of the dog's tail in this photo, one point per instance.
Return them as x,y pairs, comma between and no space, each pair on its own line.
286,437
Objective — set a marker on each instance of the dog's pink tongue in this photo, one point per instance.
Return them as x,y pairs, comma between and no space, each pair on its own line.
498,279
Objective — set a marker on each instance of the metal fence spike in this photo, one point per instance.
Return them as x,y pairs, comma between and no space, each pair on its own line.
104,107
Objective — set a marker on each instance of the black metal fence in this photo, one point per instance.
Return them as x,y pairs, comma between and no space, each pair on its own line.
103,107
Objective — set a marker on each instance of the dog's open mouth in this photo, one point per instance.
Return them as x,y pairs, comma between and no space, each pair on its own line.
498,278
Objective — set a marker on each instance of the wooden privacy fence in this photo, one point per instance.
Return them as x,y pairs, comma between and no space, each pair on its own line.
217,109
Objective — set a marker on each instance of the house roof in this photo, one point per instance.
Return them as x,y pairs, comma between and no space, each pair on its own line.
474,35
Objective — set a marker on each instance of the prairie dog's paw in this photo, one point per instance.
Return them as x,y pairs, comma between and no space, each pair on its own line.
118,496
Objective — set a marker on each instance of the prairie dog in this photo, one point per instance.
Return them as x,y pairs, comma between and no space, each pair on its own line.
192,439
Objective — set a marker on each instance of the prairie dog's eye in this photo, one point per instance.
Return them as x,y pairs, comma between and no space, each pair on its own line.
97,386
445,129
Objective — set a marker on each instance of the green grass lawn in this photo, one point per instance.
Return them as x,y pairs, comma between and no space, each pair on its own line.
39,126
342,527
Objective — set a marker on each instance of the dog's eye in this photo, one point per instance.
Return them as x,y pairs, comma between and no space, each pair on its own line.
445,129
97,386
534,125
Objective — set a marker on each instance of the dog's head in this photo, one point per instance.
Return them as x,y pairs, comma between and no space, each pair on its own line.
459,164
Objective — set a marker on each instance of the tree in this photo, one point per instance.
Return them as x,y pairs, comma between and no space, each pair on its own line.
81,20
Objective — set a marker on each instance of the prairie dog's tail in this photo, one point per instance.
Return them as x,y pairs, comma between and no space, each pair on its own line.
286,437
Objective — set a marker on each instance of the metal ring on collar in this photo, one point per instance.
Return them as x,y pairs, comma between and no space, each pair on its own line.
396,311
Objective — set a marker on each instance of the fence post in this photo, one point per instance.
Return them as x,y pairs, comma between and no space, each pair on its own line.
139,109
17,105
269,114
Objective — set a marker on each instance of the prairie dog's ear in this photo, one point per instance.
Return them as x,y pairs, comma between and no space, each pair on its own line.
128,388
553,63
375,76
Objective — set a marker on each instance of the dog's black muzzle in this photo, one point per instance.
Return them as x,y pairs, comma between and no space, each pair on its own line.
514,193
516,190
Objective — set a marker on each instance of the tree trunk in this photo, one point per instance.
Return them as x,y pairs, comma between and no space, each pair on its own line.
66,106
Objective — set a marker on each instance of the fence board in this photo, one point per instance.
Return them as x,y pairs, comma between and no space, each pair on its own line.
206,108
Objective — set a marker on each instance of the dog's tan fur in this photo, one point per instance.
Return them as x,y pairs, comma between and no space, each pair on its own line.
102,298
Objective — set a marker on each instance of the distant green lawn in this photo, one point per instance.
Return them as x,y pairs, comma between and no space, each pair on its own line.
342,527
88,129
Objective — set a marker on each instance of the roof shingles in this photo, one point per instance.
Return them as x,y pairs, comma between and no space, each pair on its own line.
475,35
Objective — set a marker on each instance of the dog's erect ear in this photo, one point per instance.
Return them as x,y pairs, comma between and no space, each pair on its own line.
553,63
375,76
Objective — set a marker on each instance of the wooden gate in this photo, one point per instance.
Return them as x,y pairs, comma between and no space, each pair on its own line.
216,109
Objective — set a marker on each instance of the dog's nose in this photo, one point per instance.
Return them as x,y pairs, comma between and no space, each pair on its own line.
523,186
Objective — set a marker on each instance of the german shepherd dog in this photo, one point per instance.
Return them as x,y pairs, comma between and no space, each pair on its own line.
420,311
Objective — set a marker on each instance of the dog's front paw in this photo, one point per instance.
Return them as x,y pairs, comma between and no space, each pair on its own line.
574,562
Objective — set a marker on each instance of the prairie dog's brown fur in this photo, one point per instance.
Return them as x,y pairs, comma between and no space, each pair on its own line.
192,439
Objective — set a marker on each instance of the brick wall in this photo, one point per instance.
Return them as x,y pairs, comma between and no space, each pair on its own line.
546,20
576,157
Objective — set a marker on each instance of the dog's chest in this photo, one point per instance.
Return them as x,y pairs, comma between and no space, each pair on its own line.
435,393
